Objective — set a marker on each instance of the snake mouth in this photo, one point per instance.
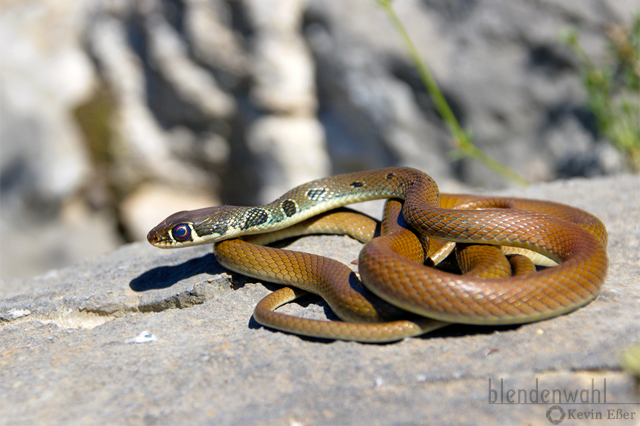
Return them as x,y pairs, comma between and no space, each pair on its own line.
156,239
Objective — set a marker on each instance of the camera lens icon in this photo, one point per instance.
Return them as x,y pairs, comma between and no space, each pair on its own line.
555,414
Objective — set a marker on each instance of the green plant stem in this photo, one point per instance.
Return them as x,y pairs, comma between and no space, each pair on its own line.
462,143
613,90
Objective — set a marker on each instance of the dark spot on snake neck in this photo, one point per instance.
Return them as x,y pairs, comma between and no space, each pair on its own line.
255,217
316,194
390,176
220,229
356,184
289,207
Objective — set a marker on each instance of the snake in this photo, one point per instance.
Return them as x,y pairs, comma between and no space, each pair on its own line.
396,296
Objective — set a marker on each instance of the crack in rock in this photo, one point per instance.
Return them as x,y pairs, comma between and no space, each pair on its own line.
91,311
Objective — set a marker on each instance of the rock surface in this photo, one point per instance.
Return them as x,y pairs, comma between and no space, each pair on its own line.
145,336
44,162
245,99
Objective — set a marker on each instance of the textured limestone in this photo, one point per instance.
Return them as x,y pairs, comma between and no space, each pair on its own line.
143,336
98,98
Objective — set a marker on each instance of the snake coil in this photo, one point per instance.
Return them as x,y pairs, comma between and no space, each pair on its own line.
401,297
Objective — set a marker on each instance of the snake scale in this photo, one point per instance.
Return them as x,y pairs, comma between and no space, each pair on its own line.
401,297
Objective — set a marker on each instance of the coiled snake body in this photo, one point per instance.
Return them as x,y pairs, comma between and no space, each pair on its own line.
390,266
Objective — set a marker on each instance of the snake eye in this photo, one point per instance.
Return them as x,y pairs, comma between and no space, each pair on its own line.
181,233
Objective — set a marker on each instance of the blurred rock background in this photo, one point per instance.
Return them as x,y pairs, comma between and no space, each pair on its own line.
114,113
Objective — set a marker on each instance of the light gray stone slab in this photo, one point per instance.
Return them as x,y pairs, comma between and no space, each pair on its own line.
146,336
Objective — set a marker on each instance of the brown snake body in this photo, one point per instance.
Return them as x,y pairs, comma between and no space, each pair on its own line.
390,265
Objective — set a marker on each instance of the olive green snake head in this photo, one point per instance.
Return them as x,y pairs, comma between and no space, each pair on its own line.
195,227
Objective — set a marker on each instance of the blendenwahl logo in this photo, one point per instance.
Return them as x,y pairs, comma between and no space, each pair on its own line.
596,394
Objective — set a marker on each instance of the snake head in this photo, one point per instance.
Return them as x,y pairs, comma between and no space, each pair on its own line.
194,227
